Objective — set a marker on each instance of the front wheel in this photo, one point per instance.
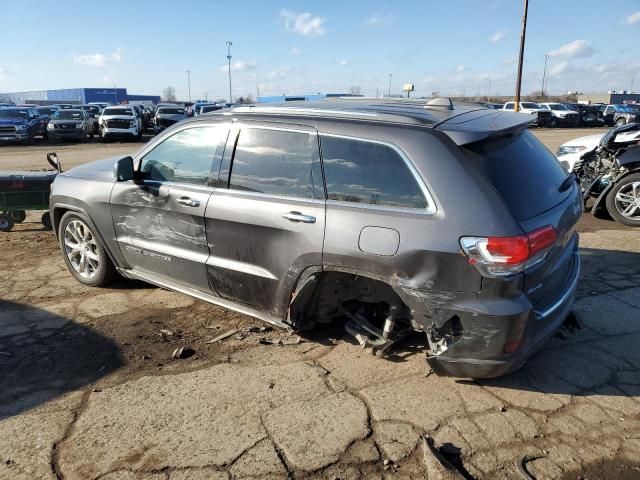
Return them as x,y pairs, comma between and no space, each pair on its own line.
83,253
553,123
6,224
623,201
620,122
18,216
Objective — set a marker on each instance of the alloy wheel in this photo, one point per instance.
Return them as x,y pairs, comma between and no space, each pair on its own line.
81,249
627,201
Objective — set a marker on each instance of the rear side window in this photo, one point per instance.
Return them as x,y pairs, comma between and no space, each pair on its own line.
368,173
525,174
277,162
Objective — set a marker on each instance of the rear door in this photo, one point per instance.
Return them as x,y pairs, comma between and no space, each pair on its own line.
529,178
267,226
159,218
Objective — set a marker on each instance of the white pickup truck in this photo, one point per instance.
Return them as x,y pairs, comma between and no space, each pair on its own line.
543,116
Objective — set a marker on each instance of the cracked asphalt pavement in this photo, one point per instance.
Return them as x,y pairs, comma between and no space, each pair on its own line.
89,388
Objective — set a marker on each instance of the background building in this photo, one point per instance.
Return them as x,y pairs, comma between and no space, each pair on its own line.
608,98
78,96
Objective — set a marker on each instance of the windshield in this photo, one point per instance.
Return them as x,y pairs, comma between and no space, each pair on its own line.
557,106
91,108
211,108
14,113
68,115
627,108
47,110
529,105
170,111
118,111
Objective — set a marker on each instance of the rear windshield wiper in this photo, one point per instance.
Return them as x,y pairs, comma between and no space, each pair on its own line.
567,182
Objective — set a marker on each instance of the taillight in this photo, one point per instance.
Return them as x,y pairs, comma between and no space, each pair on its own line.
503,256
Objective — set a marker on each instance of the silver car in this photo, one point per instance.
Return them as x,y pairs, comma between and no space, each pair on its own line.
389,217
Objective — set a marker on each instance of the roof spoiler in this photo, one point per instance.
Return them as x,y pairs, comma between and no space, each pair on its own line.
478,125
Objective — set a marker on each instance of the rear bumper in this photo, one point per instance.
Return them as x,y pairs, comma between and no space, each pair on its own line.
491,334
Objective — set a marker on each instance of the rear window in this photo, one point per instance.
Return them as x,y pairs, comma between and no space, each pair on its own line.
524,173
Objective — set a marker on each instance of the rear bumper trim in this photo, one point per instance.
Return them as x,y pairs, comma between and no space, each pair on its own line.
540,314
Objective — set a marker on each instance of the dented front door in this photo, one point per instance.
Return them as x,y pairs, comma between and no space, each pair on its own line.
160,229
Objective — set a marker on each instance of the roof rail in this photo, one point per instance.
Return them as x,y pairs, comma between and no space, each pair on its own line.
302,110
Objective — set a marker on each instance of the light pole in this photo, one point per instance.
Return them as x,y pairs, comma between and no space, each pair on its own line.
390,75
229,60
189,84
544,74
523,35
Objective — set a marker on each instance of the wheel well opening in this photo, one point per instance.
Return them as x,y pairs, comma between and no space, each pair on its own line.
332,297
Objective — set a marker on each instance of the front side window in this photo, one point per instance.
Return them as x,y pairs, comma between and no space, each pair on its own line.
277,162
368,173
186,156
509,106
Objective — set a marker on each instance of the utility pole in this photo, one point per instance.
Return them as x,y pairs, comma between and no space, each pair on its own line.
521,56
189,83
489,95
390,75
633,75
544,74
229,60
258,91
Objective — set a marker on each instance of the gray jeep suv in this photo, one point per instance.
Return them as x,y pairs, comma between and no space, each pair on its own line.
390,216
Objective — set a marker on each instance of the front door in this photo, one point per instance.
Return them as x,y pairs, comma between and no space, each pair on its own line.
159,217
267,227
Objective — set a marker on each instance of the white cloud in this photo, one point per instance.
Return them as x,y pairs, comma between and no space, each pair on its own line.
559,68
304,24
633,18
98,59
461,68
380,19
117,55
296,51
240,66
575,49
5,72
510,60
91,59
344,61
496,37
285,72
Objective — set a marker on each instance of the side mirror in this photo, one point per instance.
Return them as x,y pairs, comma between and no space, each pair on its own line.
124,169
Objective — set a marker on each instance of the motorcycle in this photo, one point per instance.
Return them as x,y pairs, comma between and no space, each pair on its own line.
610,175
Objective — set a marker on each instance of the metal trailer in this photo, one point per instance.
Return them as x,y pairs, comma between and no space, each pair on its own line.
26,190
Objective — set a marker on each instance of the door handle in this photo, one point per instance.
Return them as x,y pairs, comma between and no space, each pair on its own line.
188,202
299,217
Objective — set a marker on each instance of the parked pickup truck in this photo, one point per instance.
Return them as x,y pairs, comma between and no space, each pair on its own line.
21,124
542,116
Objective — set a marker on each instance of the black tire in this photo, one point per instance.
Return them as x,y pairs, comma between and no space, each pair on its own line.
6,224
18,216
46,220
614,205
105,272
620,122
553,123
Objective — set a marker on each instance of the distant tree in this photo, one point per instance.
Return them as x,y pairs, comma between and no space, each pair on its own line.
247,99
169,94
355,90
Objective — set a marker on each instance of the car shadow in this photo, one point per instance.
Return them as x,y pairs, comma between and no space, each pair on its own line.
600,355
44,355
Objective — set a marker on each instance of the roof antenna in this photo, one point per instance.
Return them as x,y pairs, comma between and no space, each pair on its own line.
441,102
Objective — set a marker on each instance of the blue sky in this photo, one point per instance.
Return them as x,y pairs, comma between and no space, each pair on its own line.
453,46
